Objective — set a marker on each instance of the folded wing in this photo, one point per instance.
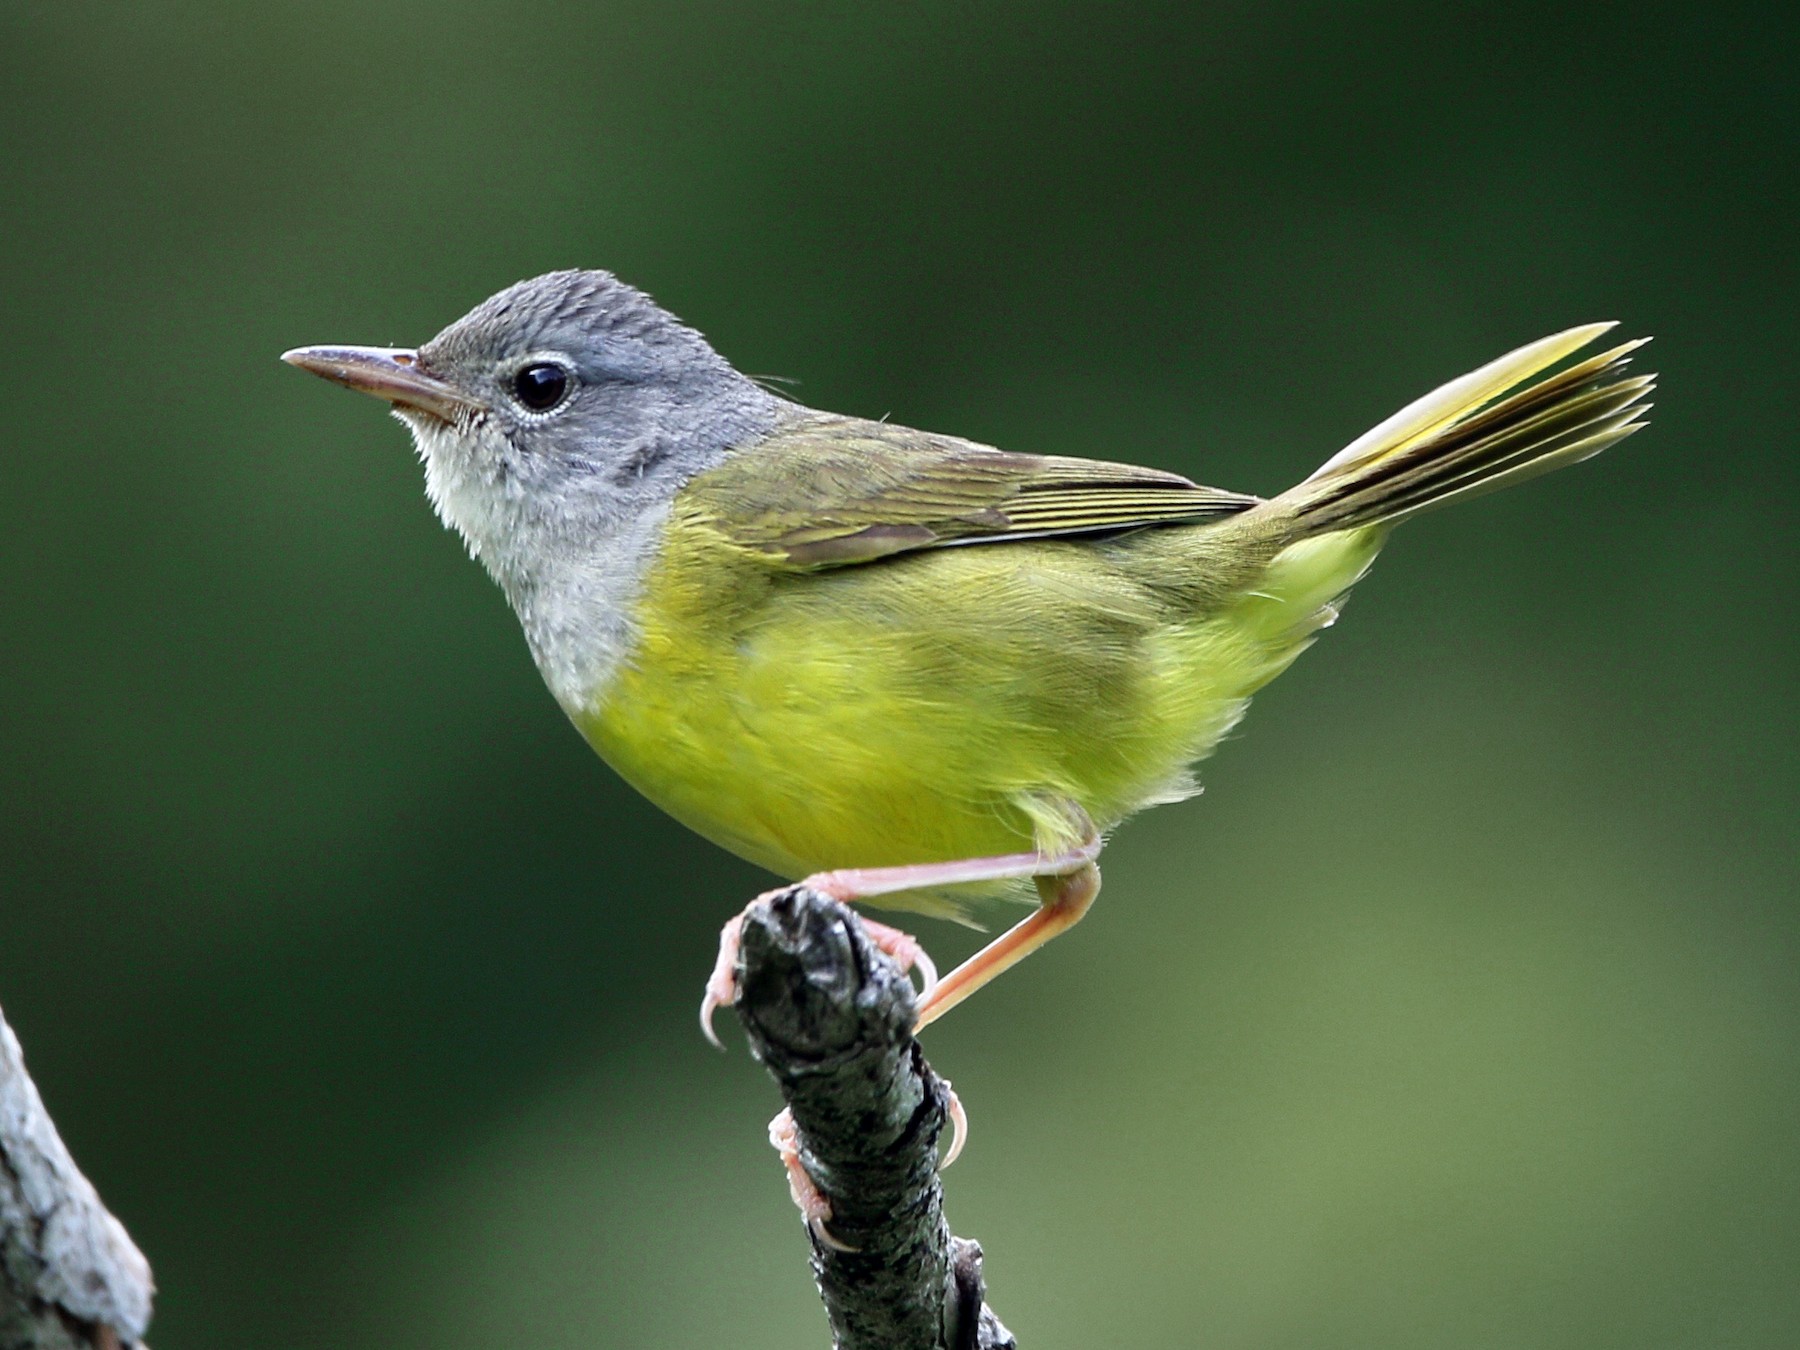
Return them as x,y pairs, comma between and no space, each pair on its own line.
834,492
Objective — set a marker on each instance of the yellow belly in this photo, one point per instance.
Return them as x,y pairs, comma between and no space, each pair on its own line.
950,703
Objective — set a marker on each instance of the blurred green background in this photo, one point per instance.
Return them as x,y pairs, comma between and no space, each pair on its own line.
1461,1011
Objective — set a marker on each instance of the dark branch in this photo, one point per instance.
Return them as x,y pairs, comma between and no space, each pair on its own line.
832,1019
70,1277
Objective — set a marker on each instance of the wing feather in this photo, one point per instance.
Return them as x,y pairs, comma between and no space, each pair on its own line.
834,492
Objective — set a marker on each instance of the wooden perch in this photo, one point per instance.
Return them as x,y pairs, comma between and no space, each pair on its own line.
831,1017
70,1276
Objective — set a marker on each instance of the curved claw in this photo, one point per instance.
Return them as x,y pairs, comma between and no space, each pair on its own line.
721,985
905,949
825,1239
927,968
708,1006
959,1125
814,1208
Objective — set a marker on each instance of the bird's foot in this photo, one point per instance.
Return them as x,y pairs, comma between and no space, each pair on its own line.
907,953
1069,882
722,984
814,1208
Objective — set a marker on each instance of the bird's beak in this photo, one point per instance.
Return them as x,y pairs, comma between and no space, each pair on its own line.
391,373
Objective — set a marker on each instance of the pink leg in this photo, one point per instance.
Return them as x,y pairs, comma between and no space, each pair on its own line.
1067,897
862,883
1059,912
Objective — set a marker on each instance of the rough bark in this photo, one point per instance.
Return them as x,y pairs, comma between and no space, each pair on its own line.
831,1017
70,1276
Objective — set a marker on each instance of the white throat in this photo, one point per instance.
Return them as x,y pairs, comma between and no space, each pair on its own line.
572,570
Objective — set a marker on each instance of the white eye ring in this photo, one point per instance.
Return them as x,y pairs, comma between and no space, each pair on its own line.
540,386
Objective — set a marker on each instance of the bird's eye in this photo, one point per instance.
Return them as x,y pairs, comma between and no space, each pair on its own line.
541,385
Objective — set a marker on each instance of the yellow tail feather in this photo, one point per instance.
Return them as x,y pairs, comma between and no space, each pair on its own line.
1465,438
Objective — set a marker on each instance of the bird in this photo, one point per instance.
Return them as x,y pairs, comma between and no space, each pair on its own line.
906,667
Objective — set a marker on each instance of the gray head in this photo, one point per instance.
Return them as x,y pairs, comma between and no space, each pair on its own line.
556,421
562,402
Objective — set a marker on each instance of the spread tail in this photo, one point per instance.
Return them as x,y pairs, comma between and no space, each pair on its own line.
1474,435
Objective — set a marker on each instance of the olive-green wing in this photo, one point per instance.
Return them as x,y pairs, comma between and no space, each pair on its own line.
832,492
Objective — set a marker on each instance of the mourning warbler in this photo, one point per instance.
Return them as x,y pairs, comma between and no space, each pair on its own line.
905,665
